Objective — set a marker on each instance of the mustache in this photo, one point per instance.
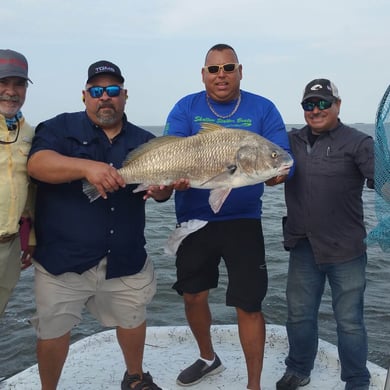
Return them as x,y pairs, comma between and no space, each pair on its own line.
7,98
106,105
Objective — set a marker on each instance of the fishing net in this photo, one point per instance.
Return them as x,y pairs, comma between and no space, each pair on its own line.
381,233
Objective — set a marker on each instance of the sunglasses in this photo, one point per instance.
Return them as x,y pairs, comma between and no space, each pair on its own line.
227,68
321,104
111,91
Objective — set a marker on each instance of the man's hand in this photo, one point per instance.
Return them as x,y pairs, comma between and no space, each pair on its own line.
159,193
104,177
162,193
181,185
26,257
275,180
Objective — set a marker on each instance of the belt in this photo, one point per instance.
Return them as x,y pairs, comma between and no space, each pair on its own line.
7,238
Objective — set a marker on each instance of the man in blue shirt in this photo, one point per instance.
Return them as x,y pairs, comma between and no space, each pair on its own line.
235,232
91,254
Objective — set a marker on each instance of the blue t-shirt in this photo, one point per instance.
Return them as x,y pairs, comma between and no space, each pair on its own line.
73,234
255,113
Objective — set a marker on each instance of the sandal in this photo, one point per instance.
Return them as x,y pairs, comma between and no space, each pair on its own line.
135,382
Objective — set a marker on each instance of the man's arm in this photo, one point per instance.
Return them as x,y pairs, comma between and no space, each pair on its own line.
54,168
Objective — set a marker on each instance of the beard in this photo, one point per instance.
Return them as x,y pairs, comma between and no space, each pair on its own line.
107,115
10,105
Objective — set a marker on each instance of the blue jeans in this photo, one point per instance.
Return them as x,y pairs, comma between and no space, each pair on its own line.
305,287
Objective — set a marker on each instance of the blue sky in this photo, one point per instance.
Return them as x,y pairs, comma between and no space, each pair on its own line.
160,46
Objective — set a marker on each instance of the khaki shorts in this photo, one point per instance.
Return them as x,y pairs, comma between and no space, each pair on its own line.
9,270
60,299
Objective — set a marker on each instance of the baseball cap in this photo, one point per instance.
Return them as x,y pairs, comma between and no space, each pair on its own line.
104,67
13,64
321,88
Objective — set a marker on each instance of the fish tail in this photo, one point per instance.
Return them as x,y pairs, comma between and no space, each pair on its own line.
90,190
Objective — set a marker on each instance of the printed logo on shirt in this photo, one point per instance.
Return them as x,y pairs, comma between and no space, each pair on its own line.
239,122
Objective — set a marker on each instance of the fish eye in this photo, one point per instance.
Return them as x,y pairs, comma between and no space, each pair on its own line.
274,154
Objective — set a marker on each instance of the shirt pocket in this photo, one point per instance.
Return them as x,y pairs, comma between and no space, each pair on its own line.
89,150
333,165
328,163
24,148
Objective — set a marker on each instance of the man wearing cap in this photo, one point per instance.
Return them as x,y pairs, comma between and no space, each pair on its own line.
325,235
15,190
91,254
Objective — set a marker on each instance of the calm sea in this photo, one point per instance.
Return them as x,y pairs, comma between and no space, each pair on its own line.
17,339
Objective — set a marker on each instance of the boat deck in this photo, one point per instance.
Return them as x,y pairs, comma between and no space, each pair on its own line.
96,362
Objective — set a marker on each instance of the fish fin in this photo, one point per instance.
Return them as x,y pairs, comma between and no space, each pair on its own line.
224,176
246,157
90,190
141,187
153,143
209,127
217,198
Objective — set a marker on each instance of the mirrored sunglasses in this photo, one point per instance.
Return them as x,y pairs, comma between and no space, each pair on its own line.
227,68
321,104
111,91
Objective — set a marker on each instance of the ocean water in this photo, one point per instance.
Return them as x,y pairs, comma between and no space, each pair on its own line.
17,338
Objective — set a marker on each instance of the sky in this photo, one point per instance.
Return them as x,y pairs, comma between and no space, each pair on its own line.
160,47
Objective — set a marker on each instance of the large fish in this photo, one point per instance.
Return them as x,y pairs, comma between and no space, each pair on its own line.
216,158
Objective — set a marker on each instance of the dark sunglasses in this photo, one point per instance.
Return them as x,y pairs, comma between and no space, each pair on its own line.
228,68
321,104
111,91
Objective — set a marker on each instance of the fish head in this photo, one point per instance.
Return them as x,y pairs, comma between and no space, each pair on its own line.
261,160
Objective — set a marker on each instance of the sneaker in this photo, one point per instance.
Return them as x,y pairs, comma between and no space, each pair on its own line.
146,383
199,370
291,382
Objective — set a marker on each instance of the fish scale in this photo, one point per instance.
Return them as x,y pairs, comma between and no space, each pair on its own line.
195,158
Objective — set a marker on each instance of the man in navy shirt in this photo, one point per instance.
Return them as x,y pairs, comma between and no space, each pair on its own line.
91,254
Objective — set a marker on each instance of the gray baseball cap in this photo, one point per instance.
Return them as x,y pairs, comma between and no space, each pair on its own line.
13,64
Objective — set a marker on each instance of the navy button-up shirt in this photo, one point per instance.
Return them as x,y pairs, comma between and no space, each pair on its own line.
73,234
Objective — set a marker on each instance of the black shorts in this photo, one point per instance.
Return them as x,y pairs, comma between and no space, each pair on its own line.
240,243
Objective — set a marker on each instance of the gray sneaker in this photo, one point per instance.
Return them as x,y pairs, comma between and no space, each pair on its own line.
291,382
199,370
